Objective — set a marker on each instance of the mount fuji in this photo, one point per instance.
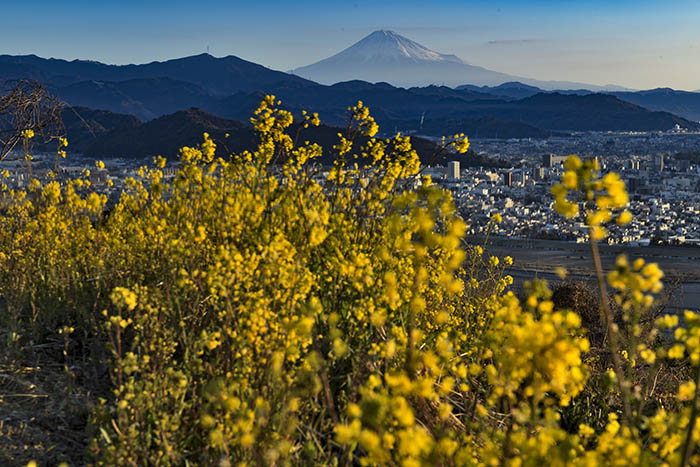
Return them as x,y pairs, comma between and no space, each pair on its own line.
385,56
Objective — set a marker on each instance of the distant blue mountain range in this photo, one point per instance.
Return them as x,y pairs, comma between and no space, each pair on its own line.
231,88
385,56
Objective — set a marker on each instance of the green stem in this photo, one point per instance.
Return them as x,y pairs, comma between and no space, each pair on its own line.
606,316
688,444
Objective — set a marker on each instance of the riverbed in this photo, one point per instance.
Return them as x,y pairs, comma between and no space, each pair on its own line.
540,258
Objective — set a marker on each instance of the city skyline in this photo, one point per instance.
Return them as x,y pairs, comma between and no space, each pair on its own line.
640,45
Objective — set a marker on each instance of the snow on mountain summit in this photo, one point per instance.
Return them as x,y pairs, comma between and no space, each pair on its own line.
387,45
385,56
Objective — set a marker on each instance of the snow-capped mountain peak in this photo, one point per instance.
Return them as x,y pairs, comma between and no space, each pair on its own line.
385,56
388,45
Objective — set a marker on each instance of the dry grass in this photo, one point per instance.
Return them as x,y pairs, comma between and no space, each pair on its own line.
44,409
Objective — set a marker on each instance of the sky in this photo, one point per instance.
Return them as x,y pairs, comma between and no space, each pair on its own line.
638,44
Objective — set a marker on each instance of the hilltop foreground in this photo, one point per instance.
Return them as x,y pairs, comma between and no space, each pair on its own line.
249,311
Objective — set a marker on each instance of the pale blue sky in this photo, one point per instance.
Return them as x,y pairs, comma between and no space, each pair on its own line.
639,44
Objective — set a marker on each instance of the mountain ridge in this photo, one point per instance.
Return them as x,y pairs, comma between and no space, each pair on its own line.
411,110
220,76
685,104
167,134
388,56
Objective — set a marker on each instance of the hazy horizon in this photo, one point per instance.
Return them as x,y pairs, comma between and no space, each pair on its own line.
641,45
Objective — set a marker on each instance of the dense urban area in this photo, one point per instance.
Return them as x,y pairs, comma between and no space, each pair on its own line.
661,171
658,168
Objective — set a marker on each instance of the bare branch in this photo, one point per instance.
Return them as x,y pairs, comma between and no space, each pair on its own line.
28,106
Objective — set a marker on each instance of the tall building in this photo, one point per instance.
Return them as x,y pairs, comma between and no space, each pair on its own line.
508,178
453,170
634,184
550,160
547,160
538,173
659,162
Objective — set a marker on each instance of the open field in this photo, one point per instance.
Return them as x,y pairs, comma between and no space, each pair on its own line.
539,258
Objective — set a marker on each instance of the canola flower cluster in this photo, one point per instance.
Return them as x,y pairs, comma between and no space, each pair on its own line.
600,195
256,316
